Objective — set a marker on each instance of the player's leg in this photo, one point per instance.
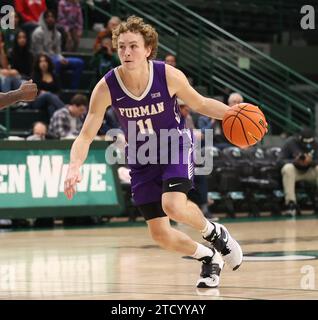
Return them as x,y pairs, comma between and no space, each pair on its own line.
177,179
146,187
175,240
176,205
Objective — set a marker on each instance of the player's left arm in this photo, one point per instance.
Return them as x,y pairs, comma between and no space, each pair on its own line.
27,92
178,84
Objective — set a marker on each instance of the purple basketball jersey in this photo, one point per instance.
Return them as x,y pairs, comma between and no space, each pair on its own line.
153,111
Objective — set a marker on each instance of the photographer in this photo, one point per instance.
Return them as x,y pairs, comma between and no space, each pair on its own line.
299,157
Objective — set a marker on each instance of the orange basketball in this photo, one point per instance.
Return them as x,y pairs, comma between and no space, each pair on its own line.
244,125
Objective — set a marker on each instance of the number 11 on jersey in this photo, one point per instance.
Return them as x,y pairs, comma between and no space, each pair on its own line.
145,126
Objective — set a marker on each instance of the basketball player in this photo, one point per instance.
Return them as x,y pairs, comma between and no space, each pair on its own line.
159,190
26,92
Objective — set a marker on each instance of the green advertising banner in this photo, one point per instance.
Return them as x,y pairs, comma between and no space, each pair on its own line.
32,178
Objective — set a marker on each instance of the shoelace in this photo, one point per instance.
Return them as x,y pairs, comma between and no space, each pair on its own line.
209,269
215,269
218,242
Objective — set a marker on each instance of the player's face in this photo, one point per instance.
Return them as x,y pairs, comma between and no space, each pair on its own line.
131,50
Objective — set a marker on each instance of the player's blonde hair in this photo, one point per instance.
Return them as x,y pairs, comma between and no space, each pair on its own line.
137,25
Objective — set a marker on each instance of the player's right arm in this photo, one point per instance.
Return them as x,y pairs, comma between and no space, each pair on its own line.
99,102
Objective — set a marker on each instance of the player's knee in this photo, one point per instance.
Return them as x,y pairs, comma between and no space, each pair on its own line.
288,169
161,236
173,209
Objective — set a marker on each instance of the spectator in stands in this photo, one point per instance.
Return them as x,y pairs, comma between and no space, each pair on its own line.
20,56
205,122
10,34
46,38
171,59
3,54
48,85
219,139
66,123
299,157
9,78
39,131
186,112
30,12
106,33
110,122
53,5
44,75
71,19
104,59
234,98
189,123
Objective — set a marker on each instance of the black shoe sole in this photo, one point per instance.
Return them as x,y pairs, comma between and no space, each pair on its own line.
235,268
202,285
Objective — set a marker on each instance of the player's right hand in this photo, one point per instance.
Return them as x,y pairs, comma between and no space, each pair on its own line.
28,91
73,177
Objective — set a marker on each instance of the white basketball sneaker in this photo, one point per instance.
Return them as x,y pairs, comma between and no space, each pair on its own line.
222,241
210,272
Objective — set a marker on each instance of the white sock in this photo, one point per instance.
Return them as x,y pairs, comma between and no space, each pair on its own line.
209,227
202,251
